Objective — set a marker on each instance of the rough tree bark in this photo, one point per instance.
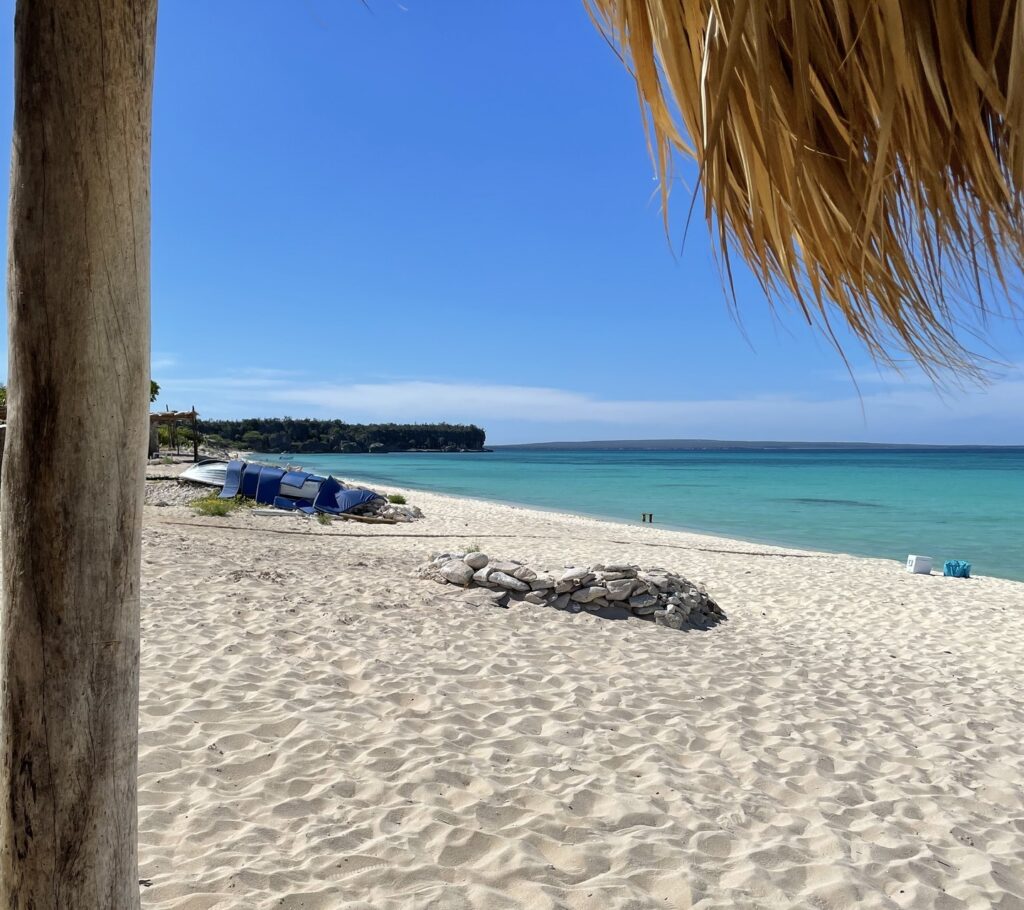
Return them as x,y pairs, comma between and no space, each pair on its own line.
78,302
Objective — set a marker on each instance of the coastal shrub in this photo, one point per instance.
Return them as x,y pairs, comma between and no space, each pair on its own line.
213,505
397,499
323,518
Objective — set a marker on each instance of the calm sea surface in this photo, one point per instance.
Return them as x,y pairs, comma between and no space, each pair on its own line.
946,504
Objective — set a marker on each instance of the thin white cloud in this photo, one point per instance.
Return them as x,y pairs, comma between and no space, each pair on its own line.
904,413
159,360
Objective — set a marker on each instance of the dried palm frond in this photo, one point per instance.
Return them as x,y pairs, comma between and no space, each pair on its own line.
865,155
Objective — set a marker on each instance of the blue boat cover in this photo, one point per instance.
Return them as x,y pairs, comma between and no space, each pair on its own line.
250,480
349,499
293,505
269,485
326,499
295,479
232,479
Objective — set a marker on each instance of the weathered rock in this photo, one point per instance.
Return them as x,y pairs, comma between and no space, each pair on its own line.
524,573
655,581
482,576
674,620
564,587
578,576
613,576
445,557
535,597
585,595
484,598
398,513
645,610
621,567
542,583
475,560
507,581
561,602
619,589
457,572
643,601
506,566
431,572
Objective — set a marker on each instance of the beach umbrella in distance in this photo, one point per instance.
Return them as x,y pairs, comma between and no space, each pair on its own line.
864,157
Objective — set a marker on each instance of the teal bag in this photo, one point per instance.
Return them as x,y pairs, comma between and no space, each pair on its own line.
956,568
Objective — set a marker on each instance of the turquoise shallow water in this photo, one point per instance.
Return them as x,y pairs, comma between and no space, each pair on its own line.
948,504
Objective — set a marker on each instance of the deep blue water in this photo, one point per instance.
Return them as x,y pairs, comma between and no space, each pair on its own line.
948,504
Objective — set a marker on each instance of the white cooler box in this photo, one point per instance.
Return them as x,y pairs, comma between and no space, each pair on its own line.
919,565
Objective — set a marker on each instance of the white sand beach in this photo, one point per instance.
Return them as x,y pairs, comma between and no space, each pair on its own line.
322,729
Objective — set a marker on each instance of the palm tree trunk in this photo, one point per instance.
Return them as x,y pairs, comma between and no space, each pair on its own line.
78,304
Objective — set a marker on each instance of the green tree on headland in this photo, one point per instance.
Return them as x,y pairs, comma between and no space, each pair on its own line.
274,434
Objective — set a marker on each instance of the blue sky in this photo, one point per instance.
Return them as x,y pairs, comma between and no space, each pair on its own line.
445,211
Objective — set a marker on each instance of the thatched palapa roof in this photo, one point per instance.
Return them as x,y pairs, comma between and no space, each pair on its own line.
864,155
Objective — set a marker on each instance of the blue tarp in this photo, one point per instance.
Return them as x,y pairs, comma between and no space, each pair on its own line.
232,479
325,500
269,485
349,499
295,479
250,480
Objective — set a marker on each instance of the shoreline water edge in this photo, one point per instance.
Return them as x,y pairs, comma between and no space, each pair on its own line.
879,504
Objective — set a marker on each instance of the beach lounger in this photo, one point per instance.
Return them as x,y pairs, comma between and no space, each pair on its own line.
250,480
269,485
232,480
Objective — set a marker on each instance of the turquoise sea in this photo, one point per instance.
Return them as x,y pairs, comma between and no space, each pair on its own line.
944,503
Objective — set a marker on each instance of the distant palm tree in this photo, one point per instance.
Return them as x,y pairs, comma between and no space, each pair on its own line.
864,155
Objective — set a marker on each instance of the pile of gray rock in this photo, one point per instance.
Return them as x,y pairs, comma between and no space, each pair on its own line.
402,513
655,594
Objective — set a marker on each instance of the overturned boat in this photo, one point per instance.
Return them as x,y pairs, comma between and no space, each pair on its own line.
292,491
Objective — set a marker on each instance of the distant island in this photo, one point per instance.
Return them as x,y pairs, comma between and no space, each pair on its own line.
683,445
285,434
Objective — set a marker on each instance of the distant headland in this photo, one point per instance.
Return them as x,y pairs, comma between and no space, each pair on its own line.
286,434
683,445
